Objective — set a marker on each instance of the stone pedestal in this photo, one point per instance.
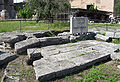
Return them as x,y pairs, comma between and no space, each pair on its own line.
78,25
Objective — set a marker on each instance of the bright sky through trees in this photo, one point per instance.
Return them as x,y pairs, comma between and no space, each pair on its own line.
17,1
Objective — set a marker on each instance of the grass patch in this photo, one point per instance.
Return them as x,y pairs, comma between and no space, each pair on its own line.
36,81
100,73
21,70
104,24
9,26
102,33
116,41
15,75
77,56
51,34
68,77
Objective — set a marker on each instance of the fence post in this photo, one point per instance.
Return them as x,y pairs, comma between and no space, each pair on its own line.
20,25
106,27
114,31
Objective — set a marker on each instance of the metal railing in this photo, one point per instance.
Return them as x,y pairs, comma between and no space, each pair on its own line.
46,24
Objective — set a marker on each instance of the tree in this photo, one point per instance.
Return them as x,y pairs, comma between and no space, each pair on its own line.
118,7
25,13
48,8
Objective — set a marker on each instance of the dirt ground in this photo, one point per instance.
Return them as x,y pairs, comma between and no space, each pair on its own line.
25,72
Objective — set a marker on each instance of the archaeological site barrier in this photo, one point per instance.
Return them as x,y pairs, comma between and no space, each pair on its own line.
45,24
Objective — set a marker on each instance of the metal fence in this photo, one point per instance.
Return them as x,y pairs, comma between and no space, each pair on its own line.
25,24
56,24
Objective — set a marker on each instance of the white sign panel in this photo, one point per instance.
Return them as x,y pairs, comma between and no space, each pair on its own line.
78,25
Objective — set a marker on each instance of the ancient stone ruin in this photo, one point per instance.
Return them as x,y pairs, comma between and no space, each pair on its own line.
54,54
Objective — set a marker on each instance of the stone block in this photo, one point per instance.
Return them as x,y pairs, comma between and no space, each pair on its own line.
103,38
115,56
72,57
6,57
78,25
10,39
21,47
34,53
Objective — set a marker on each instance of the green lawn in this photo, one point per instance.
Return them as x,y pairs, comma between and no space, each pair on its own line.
9,26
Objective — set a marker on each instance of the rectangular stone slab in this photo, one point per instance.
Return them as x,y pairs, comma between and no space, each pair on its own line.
84,54
6,57
11,39
22,46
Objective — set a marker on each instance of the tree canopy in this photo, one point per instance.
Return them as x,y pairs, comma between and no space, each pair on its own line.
48,8
118,7
25,13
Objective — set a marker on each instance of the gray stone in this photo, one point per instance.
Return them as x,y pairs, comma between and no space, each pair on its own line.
46,41
37,34
21,47
83,36
118,66
34,53
115,56
64,34
113,34
49,70
117,34
64,39
10,39
78,25
6,57
103,38
59,60
110,34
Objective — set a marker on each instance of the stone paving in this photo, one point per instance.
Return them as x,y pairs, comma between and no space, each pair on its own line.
60,60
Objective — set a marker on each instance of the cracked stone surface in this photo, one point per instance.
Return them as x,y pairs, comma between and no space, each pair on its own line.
22,46
60,60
